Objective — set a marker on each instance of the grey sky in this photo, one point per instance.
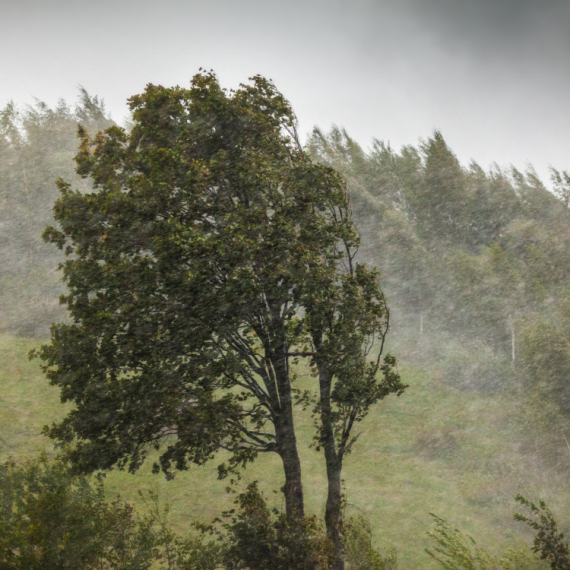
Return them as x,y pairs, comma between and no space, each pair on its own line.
493,75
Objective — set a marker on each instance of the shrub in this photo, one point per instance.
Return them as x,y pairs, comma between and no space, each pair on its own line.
548,542
457,551
259,538
360,555
51,519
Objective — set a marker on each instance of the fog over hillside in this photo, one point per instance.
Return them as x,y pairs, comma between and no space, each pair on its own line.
491,75
375,239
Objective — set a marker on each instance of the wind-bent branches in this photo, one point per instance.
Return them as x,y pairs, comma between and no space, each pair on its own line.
345,313
211,252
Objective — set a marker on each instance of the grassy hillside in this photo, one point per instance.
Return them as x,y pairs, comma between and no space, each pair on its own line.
459,454
477,259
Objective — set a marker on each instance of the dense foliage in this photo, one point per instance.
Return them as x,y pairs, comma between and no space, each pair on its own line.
51,519
210,256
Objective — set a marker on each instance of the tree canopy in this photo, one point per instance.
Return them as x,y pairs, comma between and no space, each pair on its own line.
211,254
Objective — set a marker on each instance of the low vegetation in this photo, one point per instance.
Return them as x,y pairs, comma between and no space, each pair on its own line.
460,454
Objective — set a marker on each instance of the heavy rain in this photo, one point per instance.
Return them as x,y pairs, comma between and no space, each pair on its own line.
285,285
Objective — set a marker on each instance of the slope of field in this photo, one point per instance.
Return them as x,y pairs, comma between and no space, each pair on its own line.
462,455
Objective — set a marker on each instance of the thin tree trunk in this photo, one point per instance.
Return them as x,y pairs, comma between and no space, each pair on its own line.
333,509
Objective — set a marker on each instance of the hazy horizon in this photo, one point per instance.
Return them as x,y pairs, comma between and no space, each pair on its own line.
491,75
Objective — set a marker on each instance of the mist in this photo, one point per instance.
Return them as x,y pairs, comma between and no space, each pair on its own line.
490,75
447,122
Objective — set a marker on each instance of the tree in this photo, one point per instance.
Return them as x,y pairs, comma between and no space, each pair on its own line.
441,203
561,181
344,314
211,253
548,542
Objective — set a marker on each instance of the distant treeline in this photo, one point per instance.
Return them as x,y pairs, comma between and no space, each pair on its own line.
37,146
474,262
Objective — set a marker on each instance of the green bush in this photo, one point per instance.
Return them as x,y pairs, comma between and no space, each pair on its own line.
548,542
454,550
360,555
51,519
259,538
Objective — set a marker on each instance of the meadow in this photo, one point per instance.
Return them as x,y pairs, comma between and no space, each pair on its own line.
459,453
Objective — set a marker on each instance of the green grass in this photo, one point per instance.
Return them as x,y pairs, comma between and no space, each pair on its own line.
462,455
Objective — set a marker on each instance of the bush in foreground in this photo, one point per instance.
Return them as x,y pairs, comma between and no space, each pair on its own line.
50,519
549,543
259,538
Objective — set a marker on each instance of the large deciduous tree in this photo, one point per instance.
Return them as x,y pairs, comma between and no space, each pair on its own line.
211,253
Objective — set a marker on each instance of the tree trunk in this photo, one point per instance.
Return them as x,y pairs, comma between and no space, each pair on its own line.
333,510
293,488
285,437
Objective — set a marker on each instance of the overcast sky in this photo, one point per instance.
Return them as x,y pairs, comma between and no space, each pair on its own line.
492,75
